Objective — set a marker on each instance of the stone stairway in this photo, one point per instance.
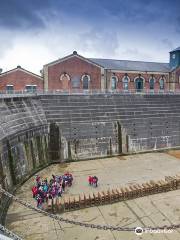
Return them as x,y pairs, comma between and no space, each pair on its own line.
20,114
148,121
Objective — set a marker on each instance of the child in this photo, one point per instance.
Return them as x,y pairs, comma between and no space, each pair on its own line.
39,201
95,181
38,181
34,191
90,180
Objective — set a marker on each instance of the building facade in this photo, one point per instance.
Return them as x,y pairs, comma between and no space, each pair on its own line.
75,73
19,79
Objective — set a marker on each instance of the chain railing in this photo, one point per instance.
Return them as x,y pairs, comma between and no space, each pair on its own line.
87,225
9,233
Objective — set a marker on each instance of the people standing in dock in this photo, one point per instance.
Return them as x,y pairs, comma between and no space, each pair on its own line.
44,190
93,181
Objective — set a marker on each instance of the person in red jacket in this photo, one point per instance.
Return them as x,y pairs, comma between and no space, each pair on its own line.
90,180
34,191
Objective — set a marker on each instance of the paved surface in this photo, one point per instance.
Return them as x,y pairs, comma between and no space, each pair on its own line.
153,210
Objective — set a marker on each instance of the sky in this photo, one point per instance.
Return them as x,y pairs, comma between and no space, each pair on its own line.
36,32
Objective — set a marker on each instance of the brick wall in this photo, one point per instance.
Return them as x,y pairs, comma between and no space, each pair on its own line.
61,74
132,76
19,78
75,67
177,86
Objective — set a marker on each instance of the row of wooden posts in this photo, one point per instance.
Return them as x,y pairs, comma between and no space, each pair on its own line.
68,203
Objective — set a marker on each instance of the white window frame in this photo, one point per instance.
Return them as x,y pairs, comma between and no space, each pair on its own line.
164,79
154,83
140,77
30,85
9,85
65,75
89,79
123,81
113,76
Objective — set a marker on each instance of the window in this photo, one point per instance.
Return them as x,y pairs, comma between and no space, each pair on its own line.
31,88
9,88
125,82
151,83
113,83
75,82
139,84
161,84
64,79
85,82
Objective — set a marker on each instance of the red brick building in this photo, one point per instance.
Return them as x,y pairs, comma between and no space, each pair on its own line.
74,72
19,79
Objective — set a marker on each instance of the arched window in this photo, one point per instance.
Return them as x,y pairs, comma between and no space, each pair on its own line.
65,78
151,83
125,82
85,82
161,84
114,83
139,83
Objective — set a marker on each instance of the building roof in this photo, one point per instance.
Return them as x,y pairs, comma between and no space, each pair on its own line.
75,54
121,65
176,49
126,65
19,68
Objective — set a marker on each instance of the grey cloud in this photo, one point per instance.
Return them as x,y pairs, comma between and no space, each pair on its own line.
167,43
177,26
103,42
6,41
20,13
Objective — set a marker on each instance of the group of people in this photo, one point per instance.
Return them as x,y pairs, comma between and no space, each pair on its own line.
93,181
44,190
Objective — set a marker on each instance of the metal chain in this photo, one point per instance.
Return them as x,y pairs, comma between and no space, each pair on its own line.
9,233
87,225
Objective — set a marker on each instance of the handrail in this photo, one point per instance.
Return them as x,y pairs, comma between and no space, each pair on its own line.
24,93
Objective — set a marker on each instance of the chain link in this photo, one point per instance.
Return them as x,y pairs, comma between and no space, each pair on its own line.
9,233
87,225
